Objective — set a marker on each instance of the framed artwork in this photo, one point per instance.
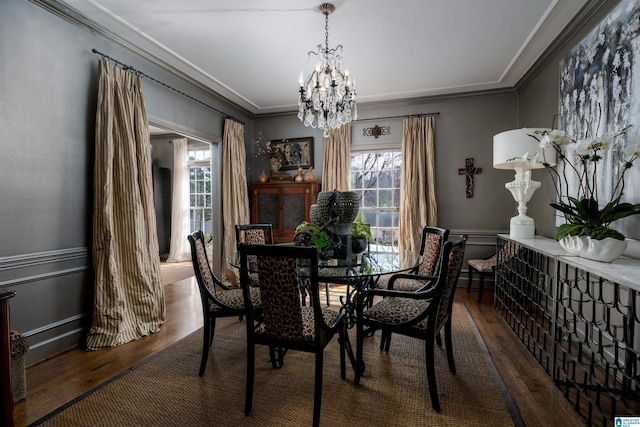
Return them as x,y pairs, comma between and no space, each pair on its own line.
298,152
600,94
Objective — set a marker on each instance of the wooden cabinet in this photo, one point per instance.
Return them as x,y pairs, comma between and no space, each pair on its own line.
284,205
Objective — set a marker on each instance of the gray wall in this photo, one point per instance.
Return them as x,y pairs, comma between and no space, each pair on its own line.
48,92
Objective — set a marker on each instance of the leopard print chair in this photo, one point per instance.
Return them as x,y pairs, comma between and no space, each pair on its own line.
218,300
421,314
284,323
254,234
433,239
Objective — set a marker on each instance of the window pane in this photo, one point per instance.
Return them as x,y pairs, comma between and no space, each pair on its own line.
370,199
385,198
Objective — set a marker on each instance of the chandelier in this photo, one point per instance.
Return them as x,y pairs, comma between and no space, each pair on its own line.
328,95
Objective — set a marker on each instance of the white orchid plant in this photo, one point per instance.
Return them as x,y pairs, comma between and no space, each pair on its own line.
584,213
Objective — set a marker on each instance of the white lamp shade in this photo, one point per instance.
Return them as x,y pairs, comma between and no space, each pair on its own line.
512,145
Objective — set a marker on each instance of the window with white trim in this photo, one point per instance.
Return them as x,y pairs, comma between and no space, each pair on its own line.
375,176
200,189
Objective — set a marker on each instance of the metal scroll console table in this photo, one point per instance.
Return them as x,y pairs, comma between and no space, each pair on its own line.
580,319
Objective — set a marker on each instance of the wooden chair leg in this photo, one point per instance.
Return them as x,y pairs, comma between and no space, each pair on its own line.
326,285
431,374
343,336
207,337
470,279
449,347
248,398
317,394
274,357
439,339
481,287
385,340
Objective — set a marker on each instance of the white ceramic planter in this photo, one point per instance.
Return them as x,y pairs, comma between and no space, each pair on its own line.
605,250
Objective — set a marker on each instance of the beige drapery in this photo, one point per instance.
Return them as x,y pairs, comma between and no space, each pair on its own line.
179,249
129,298
336,159
235,198
417,181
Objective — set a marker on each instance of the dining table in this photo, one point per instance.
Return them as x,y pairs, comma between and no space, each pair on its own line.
356,271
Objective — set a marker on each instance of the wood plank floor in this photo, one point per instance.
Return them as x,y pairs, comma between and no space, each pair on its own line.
58,380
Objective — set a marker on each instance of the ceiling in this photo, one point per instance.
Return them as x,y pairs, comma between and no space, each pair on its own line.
252,51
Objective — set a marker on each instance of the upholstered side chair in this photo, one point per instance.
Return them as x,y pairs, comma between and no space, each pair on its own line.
254,234
433,240
284,323
484,267
218,300
421,314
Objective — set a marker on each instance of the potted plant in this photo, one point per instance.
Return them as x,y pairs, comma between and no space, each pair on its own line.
588,219
308,234
360,234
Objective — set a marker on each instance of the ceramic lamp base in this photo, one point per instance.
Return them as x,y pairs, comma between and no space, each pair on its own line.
522,228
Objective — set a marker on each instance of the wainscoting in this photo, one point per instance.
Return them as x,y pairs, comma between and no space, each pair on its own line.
53,290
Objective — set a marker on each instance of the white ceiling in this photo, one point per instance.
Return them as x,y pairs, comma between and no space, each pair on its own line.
252,51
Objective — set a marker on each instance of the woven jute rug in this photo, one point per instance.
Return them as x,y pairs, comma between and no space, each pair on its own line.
167,391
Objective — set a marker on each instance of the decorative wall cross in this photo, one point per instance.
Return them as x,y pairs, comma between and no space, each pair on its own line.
469,171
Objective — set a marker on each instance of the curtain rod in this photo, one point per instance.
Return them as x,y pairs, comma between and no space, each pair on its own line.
140,73
399,117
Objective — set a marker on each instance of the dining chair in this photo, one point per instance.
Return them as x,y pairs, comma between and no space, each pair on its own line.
218,300
431,244
483,266
257,234
284,323
420,314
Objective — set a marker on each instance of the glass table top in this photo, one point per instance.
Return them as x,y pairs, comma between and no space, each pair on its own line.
373,263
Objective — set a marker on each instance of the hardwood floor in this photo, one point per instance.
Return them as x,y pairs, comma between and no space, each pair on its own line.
60,379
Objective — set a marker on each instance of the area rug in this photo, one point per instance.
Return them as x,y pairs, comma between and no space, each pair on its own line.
167,391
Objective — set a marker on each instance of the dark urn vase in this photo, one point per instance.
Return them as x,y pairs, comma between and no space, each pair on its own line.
358,245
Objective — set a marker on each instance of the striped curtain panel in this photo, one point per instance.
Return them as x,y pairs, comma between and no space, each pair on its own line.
336,159
235,193
129,298
418,205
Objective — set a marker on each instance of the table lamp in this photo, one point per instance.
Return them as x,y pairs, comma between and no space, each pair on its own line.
518,150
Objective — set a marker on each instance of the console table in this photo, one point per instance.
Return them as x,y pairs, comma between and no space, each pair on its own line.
580,320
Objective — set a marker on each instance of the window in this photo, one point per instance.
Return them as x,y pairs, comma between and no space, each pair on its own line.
375,176
200,189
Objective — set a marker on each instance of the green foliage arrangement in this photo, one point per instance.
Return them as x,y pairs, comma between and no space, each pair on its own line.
360,229
315,235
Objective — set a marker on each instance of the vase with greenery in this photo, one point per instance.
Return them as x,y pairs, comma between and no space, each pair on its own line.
360,234
308,234
579,199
